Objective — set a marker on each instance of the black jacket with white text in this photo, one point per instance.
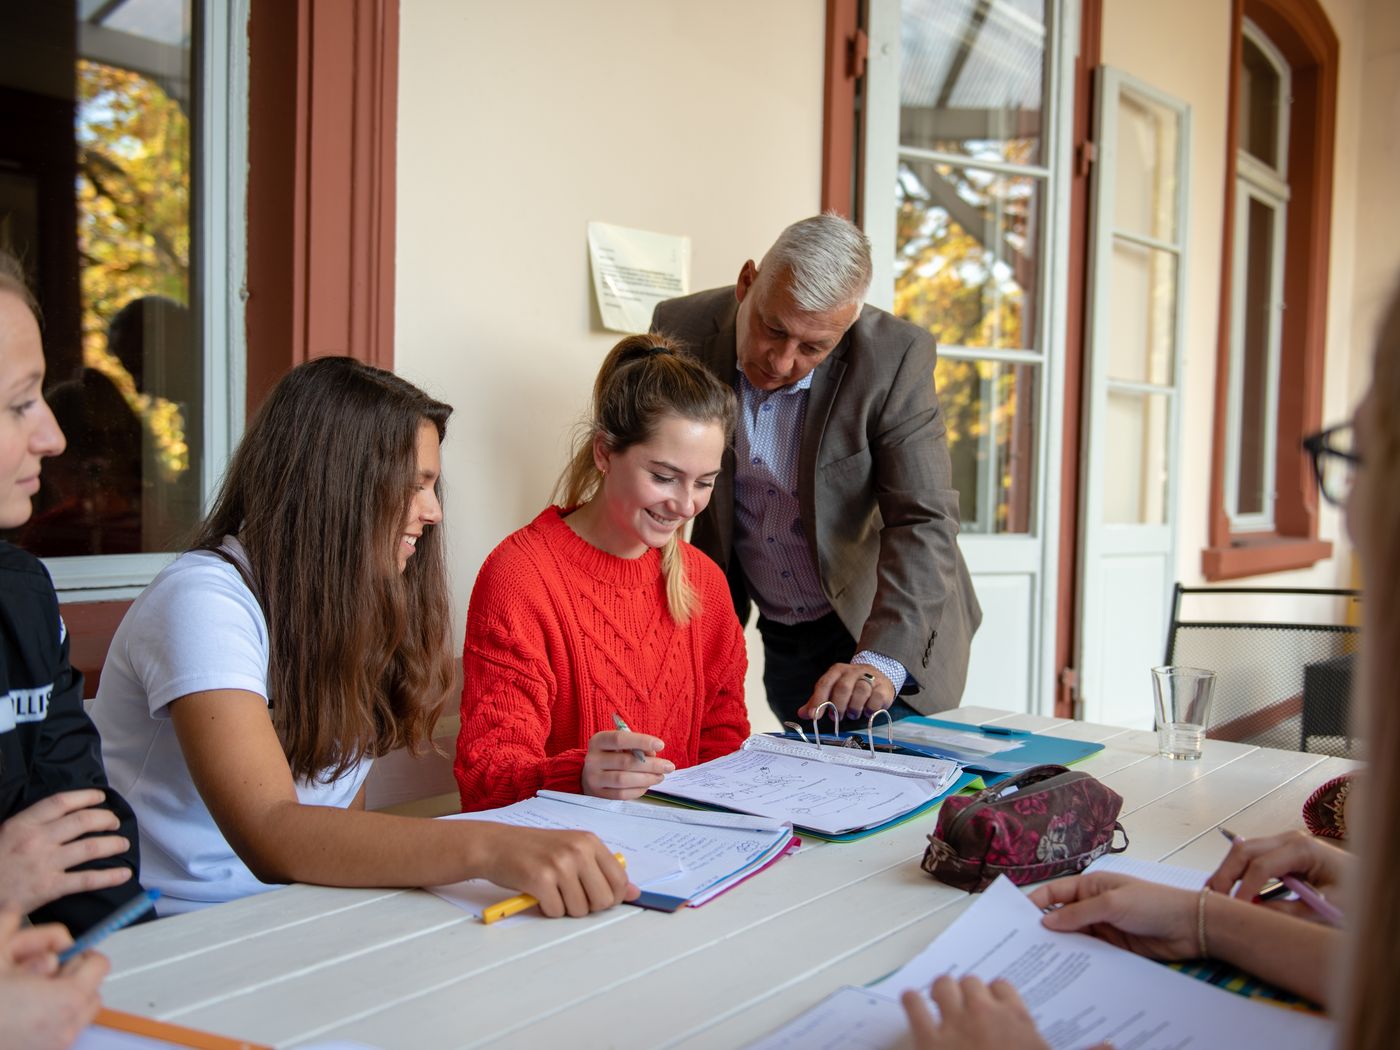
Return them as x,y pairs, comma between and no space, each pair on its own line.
47,742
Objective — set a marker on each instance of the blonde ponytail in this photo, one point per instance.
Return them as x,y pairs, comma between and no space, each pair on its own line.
643,380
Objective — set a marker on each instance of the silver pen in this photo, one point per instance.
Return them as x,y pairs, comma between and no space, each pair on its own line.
622,728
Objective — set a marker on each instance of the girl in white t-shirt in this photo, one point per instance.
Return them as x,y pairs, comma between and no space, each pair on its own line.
250,686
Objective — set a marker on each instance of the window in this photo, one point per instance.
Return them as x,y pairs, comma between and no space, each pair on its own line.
112,192
1277,236
1256,306
971,199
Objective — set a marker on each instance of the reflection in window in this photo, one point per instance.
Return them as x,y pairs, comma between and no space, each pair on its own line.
971,184
965,267
972,76
110,91
989,410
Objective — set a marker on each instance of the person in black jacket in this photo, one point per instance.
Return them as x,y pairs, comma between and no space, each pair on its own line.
68,845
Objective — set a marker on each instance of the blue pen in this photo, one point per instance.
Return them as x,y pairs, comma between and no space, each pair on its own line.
1003,731
123,916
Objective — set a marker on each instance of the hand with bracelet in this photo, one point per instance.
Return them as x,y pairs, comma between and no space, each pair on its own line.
1159,922
1170,924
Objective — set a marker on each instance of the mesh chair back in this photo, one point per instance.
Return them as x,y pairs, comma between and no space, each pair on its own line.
1284,685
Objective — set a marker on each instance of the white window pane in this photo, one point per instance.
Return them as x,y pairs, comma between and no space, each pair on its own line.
972,77
1145,187
1135,459
989,409
967,254
123,344
1256,444
1142,314
1260,100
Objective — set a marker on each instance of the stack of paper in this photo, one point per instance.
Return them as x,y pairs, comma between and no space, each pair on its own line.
829,790
675,857
1080,990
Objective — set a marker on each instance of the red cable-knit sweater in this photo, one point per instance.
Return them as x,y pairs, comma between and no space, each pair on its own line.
560,635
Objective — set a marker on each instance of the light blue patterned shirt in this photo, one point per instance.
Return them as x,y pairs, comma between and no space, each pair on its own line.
768,538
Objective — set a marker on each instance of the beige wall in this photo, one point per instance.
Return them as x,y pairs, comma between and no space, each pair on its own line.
1182,48
520,122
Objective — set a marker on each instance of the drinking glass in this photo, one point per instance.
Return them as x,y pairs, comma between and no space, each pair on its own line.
1183,697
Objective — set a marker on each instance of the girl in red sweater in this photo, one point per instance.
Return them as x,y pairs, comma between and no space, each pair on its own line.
602,610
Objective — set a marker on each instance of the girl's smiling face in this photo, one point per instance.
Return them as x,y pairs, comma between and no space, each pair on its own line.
28,431
653,488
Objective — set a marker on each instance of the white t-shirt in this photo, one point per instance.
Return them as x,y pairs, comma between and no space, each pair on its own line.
197,627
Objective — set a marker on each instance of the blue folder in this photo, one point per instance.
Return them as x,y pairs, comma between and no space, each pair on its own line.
1032,749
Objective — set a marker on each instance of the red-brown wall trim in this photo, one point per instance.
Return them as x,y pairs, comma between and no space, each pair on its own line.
1301,31
321,185
845,65
90,629
1066,632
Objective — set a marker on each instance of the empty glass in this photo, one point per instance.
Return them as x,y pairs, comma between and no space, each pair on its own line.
1183,697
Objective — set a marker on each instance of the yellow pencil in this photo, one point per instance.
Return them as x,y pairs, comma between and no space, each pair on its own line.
514,905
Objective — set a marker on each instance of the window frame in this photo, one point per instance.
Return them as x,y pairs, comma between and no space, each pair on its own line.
221,136
1300,32
318,80
1256,180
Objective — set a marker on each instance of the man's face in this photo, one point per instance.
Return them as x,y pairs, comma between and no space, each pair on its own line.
778,343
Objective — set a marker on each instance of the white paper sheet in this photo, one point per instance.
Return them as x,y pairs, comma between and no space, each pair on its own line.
710,856
959,740
828,798
848,1019
633,270
941,771
1082,991
1151,871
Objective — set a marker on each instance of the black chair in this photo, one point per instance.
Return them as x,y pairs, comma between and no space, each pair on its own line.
1285,685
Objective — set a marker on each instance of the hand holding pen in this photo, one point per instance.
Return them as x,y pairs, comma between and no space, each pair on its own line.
41,1003
1313,869
622,764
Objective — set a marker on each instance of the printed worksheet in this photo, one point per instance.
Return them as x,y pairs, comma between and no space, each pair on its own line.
824,796
709,855
1081,991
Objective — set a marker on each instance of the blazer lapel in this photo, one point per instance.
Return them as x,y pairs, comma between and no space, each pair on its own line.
719,353
826,381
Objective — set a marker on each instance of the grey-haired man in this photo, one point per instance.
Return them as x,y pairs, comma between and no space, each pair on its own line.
834,513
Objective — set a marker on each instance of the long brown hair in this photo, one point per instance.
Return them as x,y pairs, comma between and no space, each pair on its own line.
1371,1015
318,491
643,380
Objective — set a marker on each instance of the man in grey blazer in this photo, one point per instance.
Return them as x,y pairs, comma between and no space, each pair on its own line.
834,511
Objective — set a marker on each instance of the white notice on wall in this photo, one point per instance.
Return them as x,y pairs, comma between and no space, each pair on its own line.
633,270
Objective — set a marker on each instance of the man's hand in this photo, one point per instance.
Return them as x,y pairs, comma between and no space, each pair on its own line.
39,846
856,690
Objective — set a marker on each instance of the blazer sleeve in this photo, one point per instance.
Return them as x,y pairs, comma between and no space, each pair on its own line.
918,560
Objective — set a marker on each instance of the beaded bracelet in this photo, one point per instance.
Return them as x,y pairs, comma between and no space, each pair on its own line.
1201,923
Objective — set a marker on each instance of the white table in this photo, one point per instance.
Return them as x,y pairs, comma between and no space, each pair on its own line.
404,969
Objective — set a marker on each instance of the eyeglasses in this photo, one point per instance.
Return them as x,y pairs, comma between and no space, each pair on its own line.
1334,462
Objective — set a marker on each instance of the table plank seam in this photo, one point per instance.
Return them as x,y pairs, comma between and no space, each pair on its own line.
204,949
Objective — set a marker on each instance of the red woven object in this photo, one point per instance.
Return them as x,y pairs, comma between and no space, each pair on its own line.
1324,812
